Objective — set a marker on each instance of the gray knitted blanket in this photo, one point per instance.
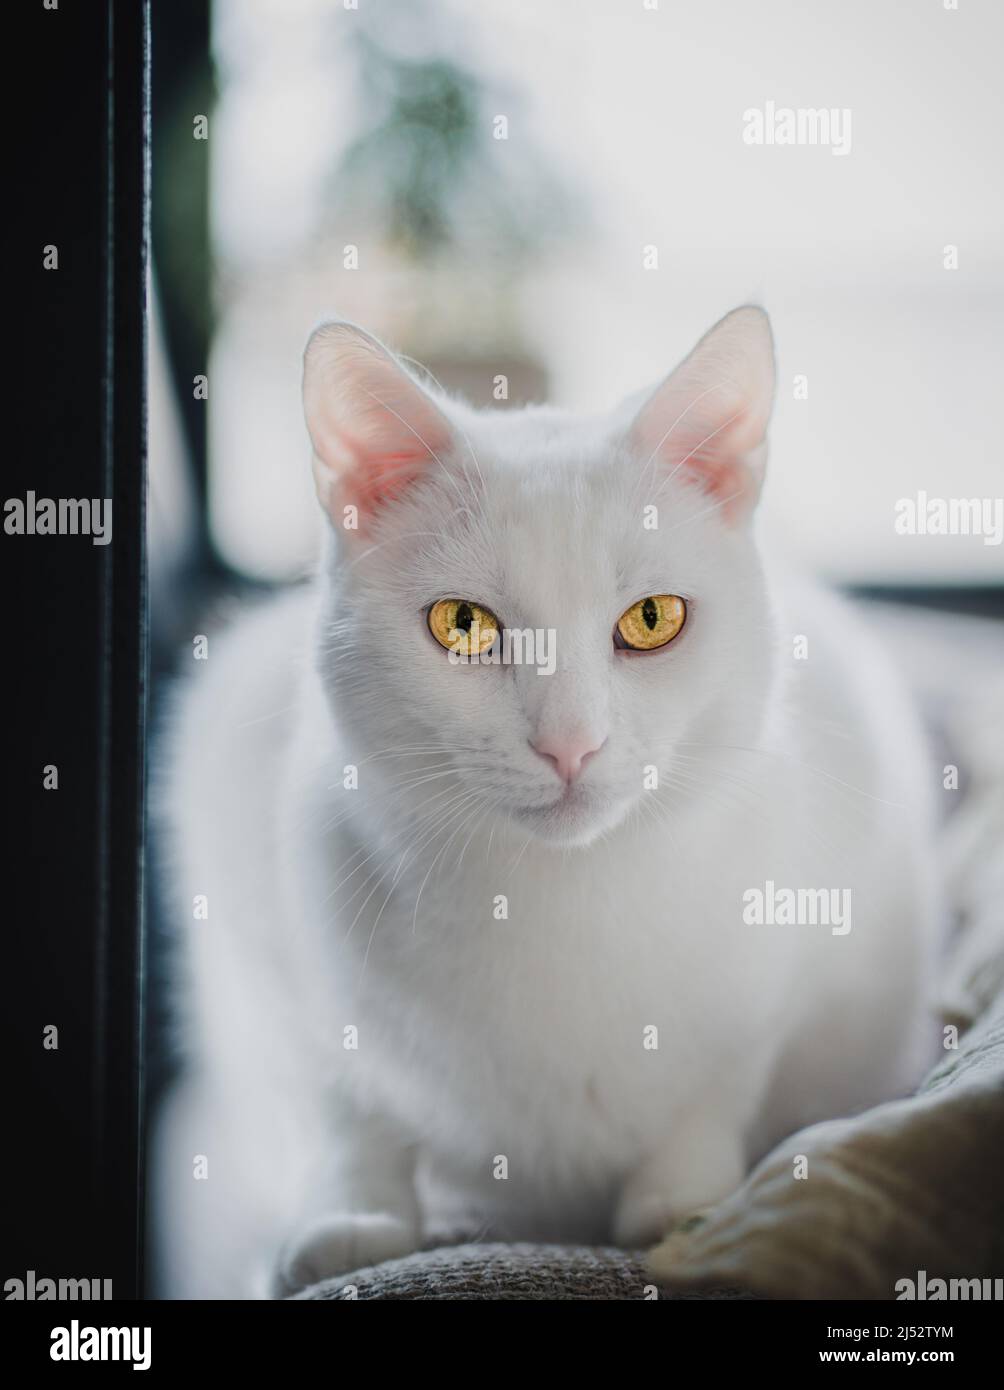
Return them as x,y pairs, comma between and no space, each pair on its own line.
507,1273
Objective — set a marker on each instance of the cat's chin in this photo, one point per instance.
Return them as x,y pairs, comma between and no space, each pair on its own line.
574,821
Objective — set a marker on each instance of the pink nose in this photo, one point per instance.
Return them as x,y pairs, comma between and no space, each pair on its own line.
568,753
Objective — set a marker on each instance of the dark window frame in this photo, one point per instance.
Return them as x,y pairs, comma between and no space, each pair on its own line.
78,692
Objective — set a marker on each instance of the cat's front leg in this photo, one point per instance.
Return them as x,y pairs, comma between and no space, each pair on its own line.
361,1207
702,1164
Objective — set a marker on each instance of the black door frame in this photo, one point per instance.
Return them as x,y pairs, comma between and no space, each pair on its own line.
77,687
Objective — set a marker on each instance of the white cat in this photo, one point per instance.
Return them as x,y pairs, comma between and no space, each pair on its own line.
479,955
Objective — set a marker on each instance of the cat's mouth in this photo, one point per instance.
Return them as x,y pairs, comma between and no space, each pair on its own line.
576,815
573,796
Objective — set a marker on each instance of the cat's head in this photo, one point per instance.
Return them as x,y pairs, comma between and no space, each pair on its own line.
621,542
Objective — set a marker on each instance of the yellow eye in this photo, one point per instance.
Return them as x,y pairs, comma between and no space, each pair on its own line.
651,622
463,627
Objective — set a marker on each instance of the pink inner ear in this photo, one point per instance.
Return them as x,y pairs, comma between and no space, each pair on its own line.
376,478
713,448
707,422
721,478
374,430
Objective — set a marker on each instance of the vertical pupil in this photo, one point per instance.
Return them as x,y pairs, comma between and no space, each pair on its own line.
465,617
650,612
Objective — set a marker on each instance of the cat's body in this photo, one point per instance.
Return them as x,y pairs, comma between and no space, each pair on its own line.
431,995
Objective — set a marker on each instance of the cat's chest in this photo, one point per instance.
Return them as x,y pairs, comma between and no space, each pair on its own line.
531,1007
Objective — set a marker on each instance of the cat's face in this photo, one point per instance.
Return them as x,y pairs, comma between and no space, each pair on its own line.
621,544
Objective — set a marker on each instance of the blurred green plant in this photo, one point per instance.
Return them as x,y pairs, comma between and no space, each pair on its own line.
426,166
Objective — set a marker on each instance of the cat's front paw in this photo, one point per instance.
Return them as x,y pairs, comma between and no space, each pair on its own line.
339,1243
676,1186
652,1218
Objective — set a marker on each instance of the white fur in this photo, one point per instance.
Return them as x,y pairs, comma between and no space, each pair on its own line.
373,908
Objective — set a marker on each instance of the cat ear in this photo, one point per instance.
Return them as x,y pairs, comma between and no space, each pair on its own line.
373,429
707,422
